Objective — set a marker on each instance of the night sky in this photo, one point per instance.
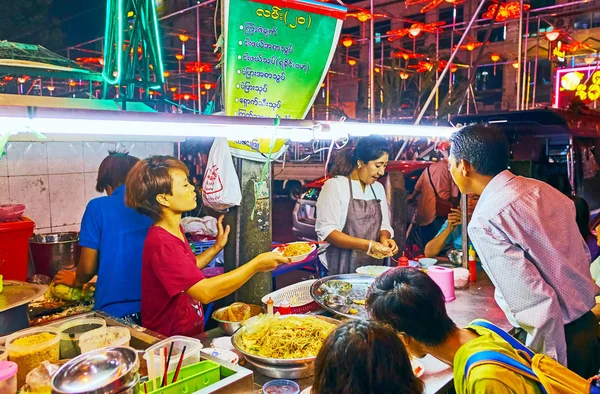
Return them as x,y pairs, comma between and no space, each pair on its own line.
87,26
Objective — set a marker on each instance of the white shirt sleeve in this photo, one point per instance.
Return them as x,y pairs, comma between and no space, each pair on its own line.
385,209
328,210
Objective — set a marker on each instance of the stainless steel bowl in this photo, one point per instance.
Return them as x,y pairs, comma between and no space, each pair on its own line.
455,257
230,327
103,371
236,340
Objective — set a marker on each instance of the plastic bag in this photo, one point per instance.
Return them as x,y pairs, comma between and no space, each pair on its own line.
39,380
221,186
200,226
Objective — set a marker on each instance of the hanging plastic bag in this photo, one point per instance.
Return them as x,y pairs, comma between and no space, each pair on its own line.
221,186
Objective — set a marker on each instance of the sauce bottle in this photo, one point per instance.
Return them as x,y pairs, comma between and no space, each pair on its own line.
403,261
472,265
285,308
270,307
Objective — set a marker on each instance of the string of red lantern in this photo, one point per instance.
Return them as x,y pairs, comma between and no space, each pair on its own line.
90,60
364,16
415,30
406,55
470,46
507,11
432,3
195,67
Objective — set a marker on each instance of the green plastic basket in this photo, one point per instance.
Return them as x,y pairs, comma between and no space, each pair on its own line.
191,379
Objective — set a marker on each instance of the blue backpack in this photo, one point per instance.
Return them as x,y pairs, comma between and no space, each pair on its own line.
552,377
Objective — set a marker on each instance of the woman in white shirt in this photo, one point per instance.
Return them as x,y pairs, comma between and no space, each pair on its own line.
352,210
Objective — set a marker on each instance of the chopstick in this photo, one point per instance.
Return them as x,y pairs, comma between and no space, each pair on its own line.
166,368
145,388
168,363
179,365
161,360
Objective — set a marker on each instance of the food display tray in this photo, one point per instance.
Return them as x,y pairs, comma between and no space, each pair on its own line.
360,287
282,372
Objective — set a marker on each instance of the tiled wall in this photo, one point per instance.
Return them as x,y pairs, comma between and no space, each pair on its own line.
57,179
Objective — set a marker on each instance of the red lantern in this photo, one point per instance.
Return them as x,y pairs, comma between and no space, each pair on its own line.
432,3
364,16
415,29
507,11
347,42
195,67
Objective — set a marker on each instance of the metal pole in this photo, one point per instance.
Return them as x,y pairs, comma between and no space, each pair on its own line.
525,62
452,56
327,85
198,58
437,72
528,85
520,57
371,62
381,87
535,68
469,73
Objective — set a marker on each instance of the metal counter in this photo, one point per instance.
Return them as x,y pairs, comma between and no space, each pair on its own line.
475,302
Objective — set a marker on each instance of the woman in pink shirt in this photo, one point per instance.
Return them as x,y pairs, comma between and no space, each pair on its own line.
173,287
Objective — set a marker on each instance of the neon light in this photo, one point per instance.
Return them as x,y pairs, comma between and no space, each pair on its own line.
161,68
107,43
560,72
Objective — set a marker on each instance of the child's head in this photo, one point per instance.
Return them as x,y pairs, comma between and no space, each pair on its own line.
362,357
113,170
158,184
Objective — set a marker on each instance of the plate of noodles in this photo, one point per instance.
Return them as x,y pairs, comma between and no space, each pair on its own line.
286,340
296,251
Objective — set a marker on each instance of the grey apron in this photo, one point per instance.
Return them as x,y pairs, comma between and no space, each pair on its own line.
363,220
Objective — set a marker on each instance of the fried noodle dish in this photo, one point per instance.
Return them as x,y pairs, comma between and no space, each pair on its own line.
289,337
296,249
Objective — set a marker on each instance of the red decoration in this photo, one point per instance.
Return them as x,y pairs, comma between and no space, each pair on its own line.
185,96
510,10
574,46
422,27
469,46
195,67
90,60
422,67
406,55
9,78
364,16
432,3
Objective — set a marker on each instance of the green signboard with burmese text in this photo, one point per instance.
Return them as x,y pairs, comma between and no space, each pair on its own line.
277,54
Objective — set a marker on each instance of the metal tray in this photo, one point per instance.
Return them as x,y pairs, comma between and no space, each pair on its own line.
282,372
17,293
285,362
360,286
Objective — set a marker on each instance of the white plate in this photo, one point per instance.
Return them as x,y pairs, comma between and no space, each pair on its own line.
372,270
416,364
296,259
306,390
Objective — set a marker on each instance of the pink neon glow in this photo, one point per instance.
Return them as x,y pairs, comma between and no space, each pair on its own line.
560,72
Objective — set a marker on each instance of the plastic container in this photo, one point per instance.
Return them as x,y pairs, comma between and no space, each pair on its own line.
403,261
104,337
281,386
11,212
444,278
14,248
28,348
71,331
297,294
191,378
153,360
8,377
285,308
3,354
472,265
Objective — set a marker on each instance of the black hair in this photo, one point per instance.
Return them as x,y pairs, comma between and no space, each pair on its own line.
484,146
364,357
582,216
411,302
367,149
114,169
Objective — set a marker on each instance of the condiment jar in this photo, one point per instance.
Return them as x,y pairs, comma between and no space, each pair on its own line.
472,265
270,306
403,261
8,377
284,308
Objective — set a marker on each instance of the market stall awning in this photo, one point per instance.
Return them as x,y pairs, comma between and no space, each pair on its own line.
37,61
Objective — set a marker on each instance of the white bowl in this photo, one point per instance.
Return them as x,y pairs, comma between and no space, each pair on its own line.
296,259
222,343
427,262
372,270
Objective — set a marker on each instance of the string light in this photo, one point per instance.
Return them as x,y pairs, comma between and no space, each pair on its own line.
347,42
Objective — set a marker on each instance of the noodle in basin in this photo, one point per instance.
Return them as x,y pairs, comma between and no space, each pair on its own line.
289,337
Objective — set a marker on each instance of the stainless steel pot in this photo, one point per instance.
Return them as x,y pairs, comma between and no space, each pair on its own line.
53,252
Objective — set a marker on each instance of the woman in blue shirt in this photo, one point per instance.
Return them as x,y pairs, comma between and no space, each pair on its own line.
112,239
451,232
